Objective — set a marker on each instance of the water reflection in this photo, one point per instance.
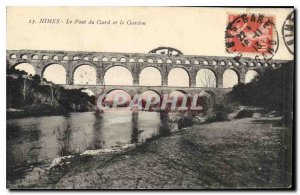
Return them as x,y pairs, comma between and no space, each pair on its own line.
97,142
164,128
37,139
135,127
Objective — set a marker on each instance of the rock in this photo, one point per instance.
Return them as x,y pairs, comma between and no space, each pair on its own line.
271,114
60,161
100,151
199,119
245,112
127,146
257,115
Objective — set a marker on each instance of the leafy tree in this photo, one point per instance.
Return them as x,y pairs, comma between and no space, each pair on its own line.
272,90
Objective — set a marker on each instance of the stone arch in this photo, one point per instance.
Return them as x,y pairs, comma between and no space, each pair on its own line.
169,61
84,74
179,77
65,58
34,57
205,62
222,63
214,62
152,90
251,64
104,59
180,95
113,59
187,62
245,63
86,58
24,56
196,62
55,57
76,58
178,61
250,75
95,59
179,90
159,61
231,77
145,97
206,78
150,60
150,76
55,73
122,59
131,60
109,98
141,60
45,57
118,75
13,56
27,67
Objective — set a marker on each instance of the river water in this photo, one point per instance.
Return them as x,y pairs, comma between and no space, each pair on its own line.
41,139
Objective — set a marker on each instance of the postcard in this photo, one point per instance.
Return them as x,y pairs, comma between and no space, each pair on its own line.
150,98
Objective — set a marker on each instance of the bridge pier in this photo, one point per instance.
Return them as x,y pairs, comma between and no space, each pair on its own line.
242,76
99,77
242,79
193,79
164,81
69,77
219,80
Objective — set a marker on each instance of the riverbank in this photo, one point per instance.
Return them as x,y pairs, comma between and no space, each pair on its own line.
243,153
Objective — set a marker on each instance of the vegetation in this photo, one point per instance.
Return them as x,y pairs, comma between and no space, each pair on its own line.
272,90
36,96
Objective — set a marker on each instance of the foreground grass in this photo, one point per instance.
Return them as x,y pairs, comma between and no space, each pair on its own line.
244,153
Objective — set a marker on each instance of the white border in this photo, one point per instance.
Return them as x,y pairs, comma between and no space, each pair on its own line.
4,3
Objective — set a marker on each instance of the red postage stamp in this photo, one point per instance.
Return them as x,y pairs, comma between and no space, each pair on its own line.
250,33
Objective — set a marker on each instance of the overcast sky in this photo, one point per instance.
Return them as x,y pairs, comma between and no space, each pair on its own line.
194,31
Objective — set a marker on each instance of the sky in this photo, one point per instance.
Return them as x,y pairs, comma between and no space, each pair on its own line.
194,31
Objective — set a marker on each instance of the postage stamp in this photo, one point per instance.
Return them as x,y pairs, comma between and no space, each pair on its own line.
252,34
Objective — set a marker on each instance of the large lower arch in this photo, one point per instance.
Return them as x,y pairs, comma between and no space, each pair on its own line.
180,97
206,78
118,75
28,68
230,78
55,73
250,75
117,95
85,75
150,76
150,100
178,77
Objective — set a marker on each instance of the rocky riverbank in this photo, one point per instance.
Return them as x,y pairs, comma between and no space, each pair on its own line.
243,153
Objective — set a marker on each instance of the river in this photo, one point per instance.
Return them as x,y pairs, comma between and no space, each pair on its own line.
41,139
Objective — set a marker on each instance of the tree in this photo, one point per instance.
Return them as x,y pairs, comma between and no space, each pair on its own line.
206,78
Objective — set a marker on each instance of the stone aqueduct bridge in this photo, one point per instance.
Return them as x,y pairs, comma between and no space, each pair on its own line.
135,63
